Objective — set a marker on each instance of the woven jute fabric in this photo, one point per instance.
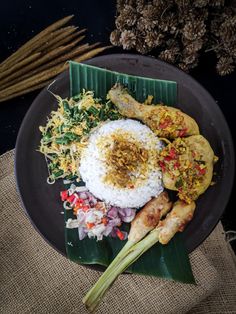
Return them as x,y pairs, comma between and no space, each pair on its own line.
34,278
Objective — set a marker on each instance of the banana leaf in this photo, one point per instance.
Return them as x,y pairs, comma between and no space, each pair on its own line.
167,261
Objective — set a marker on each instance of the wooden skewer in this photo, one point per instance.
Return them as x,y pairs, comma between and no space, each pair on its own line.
46,75
36,38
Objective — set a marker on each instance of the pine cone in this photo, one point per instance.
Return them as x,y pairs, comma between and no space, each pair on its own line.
139,5
128,39
216,3
169,55
150,12
194,30
169,24
184,67
119,5
141,47
130,14
161,5
153,39
115,37
225,66
192,47
146,24
190,58
121,23
200,3
227,29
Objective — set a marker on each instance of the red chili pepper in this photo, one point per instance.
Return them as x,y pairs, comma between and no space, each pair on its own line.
172,153
164,124
168,158
162,165
71,198
176,165
64,195
120,235
183,132
200,170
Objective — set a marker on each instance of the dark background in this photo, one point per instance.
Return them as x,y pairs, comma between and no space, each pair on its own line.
20,20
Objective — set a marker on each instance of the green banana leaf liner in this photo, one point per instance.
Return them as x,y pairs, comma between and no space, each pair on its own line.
167,261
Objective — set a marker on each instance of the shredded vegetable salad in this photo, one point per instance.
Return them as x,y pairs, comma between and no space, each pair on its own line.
67,129
94,218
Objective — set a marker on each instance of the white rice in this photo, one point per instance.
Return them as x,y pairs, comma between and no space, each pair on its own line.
93,166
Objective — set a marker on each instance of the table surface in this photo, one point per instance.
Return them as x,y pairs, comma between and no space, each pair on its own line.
20,20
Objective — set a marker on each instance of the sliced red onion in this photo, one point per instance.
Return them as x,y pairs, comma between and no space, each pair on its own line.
112,213
82,233
83,195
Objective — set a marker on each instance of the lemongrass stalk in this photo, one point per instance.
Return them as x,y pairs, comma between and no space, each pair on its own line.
97,292
175,221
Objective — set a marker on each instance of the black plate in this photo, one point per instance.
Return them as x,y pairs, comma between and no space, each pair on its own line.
41,201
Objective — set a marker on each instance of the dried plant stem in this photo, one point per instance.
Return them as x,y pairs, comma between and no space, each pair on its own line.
37,46
19,65
43,57
31,43
64,41
25,91
51,55
57,36
45,75
74,53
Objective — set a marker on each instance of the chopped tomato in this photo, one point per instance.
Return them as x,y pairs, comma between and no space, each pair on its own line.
120,235
64,195
71,198
104,221
90,225
85,208
183,132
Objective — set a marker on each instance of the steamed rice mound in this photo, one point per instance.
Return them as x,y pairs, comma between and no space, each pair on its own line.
119,164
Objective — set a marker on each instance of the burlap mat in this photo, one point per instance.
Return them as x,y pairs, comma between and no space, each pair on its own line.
34,278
